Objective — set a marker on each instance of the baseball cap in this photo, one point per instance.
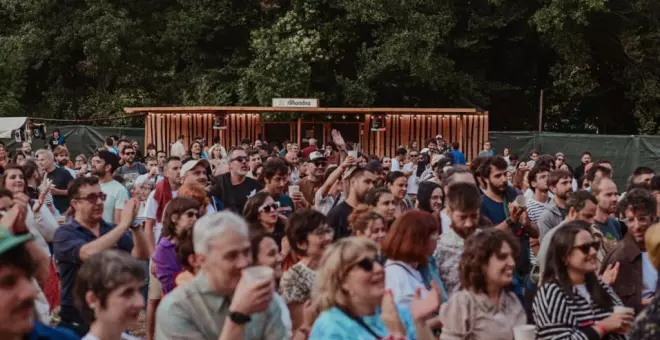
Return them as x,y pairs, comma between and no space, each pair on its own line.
438,137
315,156
189,165
9,241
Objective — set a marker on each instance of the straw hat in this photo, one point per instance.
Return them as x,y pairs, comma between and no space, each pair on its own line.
652,240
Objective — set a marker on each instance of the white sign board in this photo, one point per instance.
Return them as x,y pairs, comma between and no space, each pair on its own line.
295,102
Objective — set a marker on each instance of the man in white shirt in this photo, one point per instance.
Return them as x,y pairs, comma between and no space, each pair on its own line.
398,159
104,164
178,149
152,174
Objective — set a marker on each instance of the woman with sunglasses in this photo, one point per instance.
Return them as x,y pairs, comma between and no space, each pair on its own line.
409,247
108,294
350,293
485,307
571,299
180,214
261,213
308,235
365,222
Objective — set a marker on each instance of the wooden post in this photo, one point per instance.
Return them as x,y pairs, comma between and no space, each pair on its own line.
299,131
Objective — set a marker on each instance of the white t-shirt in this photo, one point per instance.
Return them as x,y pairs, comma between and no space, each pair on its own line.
412,180
649,277
445,222
117,195
396,166
143,178
152,208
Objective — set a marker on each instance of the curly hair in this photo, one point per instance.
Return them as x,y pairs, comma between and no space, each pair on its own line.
196,192
479,248
639,200
362,217
519,178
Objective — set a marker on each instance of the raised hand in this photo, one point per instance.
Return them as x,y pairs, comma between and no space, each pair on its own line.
338,139
422,308
611,273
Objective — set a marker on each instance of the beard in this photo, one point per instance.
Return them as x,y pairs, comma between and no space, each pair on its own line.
463,232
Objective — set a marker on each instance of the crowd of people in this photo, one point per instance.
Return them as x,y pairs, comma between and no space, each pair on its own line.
288,241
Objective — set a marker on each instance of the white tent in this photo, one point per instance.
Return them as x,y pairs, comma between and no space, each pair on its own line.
10,124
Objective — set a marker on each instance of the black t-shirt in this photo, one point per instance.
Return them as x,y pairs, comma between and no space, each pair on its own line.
338,219
234,197
61,179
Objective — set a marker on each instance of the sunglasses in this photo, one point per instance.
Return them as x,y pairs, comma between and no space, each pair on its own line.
129,153
191,214
318,164
241,159
414,156
367,263
584,248
93,198
269,207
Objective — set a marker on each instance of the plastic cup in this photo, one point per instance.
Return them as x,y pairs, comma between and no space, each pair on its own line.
623,310
520,201
293,189
353,153
258,273
524,332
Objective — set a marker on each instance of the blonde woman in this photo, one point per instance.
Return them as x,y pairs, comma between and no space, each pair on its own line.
350,293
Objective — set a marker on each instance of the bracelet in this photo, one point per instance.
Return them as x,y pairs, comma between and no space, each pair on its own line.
601,328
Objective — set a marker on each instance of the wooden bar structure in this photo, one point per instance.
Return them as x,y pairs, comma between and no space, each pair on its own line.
468,127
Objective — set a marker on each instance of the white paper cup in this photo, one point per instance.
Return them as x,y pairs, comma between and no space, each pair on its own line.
353,153
524,332
258,273
623,310
293,189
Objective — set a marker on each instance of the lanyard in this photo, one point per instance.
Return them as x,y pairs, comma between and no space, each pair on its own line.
360,322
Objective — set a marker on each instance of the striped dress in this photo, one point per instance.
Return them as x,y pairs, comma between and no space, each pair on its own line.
559,316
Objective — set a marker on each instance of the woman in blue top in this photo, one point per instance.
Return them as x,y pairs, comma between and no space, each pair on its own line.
350,292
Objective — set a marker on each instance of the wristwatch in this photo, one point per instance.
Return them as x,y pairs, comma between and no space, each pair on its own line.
239,318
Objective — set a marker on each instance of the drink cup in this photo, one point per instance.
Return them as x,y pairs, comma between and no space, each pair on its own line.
353,153
258,273
520,201
524,332
623,310
293,189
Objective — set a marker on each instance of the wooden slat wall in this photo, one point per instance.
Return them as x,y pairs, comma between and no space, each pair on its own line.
470,131
163,129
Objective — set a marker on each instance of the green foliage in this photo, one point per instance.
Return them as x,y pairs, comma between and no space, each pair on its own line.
596,60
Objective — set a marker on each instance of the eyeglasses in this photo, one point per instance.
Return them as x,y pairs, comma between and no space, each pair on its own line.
191,214
643,220
240,159
269,207
367,263
93,198
323,231
129,153
584,248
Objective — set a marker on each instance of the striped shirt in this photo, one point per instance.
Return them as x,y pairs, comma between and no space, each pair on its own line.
535,209
560,316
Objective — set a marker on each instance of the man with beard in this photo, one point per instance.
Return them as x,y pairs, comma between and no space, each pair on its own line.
314,179
560,182
194,172
62,159
131,169
292,158
606,193
499,207
233,189
156,203
26,149
86,235
538,182
463,204
638,277
276,176
104,164
360,182
584,160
